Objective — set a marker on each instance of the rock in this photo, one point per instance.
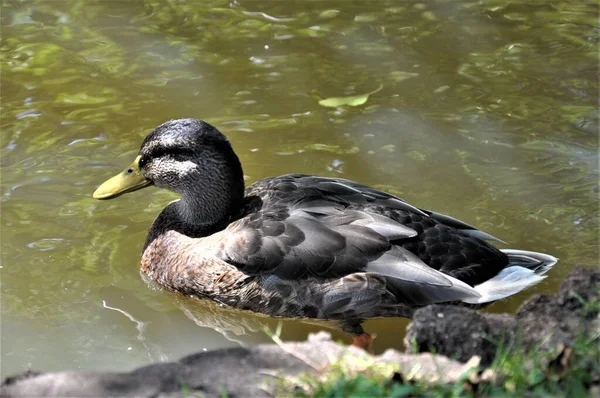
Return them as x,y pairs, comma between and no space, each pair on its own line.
567,311
428,368
457,332
241,372
544,322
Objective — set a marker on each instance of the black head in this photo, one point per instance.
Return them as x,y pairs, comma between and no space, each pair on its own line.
187,156
179,152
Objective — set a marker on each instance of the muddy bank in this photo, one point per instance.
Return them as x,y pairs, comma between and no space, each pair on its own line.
544,322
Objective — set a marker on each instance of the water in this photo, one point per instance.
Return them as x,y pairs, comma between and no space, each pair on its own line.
488,112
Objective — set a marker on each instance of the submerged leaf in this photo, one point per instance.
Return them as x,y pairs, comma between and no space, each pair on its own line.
333,149
329,14
399,75
353,100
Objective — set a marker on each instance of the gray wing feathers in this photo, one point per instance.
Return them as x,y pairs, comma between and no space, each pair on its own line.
410,278
333,217
384,198
401,264
384,226
475,233
462,226
294,245
321,241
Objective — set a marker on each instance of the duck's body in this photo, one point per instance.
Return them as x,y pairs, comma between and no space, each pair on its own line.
288,253
305,246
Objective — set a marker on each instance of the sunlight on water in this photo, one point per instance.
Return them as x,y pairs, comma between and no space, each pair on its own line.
487,111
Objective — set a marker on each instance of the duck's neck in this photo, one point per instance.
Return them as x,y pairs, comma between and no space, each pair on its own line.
204,210
188,219
170,219
206,206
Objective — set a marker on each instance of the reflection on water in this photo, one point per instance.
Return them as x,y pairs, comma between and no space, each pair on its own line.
488,112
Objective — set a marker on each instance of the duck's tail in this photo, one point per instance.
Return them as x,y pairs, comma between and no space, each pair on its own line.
524,269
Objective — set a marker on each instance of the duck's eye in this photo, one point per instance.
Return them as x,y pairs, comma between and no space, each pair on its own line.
129,171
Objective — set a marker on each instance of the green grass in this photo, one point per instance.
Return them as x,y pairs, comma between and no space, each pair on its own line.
588,307
568,371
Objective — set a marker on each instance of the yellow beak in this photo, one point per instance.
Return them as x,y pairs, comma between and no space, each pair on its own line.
131,179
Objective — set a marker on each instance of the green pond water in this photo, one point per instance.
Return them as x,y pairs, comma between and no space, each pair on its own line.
487,110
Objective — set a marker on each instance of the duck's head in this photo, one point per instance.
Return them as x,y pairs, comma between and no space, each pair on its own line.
187,156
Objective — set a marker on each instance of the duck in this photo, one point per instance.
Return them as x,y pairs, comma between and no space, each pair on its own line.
304,246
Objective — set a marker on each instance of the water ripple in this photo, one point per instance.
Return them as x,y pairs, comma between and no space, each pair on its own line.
46,244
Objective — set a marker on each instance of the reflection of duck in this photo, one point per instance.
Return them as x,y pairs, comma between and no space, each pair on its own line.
304,246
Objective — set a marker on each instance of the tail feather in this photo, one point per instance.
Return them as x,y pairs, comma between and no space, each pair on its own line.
524,269
540,263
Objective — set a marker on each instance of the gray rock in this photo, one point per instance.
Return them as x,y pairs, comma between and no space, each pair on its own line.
456,332
239,371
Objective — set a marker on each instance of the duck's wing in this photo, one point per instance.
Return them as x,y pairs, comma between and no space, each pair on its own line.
320,240
328,232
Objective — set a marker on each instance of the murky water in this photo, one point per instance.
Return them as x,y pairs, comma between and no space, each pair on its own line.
488,112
